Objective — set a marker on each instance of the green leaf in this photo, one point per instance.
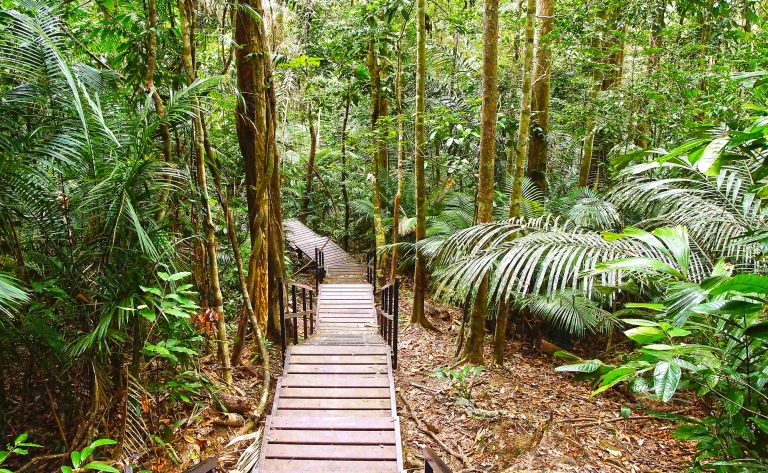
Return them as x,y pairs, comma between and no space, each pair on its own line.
75,459
102,442
758,331
566,356
761,423
178,276
152,290
731,307
744,283
617,375
162,275
666,377
659,347
588,366
642,322
712,153
21,438
66,469
101,467
626,412
645,334
3,455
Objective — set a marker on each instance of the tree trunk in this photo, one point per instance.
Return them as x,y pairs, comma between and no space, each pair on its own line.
537,153
400,151
473,349
185,8
344,195
252,131
149,84
376,108
590,125
418,315
517,182
525,112
275,261
310,166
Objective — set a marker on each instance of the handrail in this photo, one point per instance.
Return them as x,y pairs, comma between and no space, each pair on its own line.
292,311
388,316
207,466
370,269
319,267
433,463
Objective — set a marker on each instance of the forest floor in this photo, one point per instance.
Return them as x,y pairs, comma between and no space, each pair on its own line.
550,423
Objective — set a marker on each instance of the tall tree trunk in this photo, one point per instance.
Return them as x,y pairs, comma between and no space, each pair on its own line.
252,131
185,9
149,84
590,126
376,108
537,153
275,260
310,166
418,315
654,42
473,349
344,195
499,337
400,151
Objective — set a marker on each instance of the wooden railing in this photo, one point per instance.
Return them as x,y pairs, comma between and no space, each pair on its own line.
370,270
297,301
207,466
388,316
433,463
319,267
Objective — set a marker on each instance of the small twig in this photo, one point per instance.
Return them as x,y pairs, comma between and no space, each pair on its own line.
424,429
427,388
42,459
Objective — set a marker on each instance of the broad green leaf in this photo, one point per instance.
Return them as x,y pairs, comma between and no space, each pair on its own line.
744,283
588,366
758,331
658,346
645,334
617,375
101,467
732,307
75,459
712,153
761,423
641,322
66,469
102,442
666,377
152,290
178,276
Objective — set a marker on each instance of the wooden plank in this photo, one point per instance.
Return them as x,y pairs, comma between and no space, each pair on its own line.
333,404
331,452
286,465
345,359
339,350
335,381
384,413
335,393
332,423
334,437
336,369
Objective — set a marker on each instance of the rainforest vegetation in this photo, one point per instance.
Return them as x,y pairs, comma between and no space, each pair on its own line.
562,170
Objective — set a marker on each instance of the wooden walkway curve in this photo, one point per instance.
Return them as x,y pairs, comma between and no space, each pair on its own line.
334,408
339,264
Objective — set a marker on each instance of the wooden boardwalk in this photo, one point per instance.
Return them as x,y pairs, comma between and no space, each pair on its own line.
334,407
339,264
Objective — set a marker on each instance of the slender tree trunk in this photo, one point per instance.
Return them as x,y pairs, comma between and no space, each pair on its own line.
499,337
185,7
149,84
537,153
400,151
473,349
590,125
310,166
344,195
378,221
276,256
654,42
418,315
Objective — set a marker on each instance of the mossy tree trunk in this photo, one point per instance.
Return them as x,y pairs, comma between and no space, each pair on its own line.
473,349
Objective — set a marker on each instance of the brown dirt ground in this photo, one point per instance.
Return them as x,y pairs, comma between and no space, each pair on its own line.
578,439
